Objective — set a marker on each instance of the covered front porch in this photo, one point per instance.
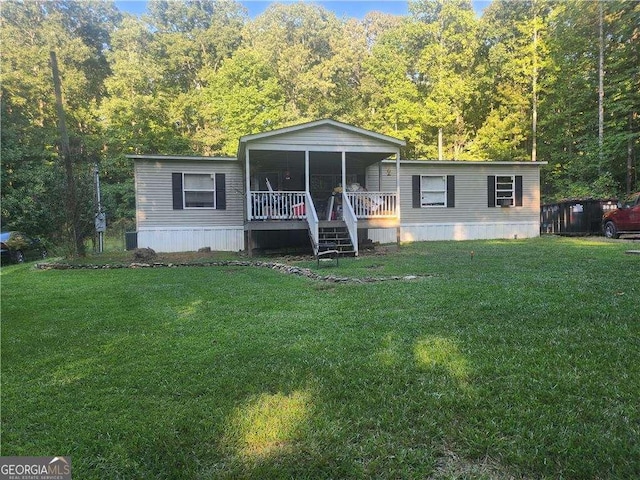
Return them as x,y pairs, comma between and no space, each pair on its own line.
319,176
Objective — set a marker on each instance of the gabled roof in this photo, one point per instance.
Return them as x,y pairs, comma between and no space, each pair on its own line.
318,123
333,124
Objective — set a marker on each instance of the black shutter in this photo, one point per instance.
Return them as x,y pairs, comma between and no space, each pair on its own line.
451,191
176,187
518,190
415,182
221,194
491,191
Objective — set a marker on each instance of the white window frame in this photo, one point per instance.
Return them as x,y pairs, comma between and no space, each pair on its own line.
505,197
185,190
443,191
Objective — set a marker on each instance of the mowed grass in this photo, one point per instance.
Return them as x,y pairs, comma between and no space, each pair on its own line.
519,361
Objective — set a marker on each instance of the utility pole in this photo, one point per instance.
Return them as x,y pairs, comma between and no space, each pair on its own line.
100,217
65,150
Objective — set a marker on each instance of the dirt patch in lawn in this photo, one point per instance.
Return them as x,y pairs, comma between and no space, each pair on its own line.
455,467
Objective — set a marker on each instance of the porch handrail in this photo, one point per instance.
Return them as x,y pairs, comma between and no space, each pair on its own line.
351,221
312,221
267,205
374,204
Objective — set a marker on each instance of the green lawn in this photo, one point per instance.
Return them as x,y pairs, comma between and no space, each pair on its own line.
519,361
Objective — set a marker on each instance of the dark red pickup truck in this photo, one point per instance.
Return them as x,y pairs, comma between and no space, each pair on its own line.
624,219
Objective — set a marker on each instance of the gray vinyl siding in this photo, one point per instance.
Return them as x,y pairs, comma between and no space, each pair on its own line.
470,191
154,199
323,138
381,181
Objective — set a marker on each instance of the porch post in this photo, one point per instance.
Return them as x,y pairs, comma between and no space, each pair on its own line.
306,171
344,172
379,176
398,196
398,179
247,179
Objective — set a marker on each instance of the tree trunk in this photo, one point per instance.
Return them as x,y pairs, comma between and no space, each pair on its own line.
630,155
71,204
601,90
534,87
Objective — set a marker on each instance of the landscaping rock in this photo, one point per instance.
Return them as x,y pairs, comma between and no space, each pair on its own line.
280,267
144,255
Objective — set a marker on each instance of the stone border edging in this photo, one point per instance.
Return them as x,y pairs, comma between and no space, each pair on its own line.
281,267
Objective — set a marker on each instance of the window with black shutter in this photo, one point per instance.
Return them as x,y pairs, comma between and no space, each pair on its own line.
198,190
504,190
433,191
221,192
176,187
451,191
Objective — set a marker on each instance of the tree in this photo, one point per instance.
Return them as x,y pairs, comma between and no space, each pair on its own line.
244,96
622,140
298,40
192,40
391,96
136,107
447,35
195,36
32,174
514,56
581,165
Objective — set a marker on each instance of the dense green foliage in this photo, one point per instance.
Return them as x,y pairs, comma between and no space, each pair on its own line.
519,362
191,77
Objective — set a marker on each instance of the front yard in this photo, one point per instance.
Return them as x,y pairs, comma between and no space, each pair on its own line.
501,359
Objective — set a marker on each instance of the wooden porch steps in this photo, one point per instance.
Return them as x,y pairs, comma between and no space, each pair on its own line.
335,237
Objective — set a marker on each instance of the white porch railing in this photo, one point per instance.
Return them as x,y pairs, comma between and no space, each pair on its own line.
312,221
350,219
293,205
374,204
278,205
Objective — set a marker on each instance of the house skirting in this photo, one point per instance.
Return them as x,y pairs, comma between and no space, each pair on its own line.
420,232
186,239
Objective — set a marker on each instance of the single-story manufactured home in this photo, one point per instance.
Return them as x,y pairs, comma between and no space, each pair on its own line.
327,185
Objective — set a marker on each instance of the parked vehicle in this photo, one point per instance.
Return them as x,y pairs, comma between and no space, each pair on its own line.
18,247
623,220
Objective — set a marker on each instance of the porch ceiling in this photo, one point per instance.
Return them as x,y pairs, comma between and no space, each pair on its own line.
354,159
